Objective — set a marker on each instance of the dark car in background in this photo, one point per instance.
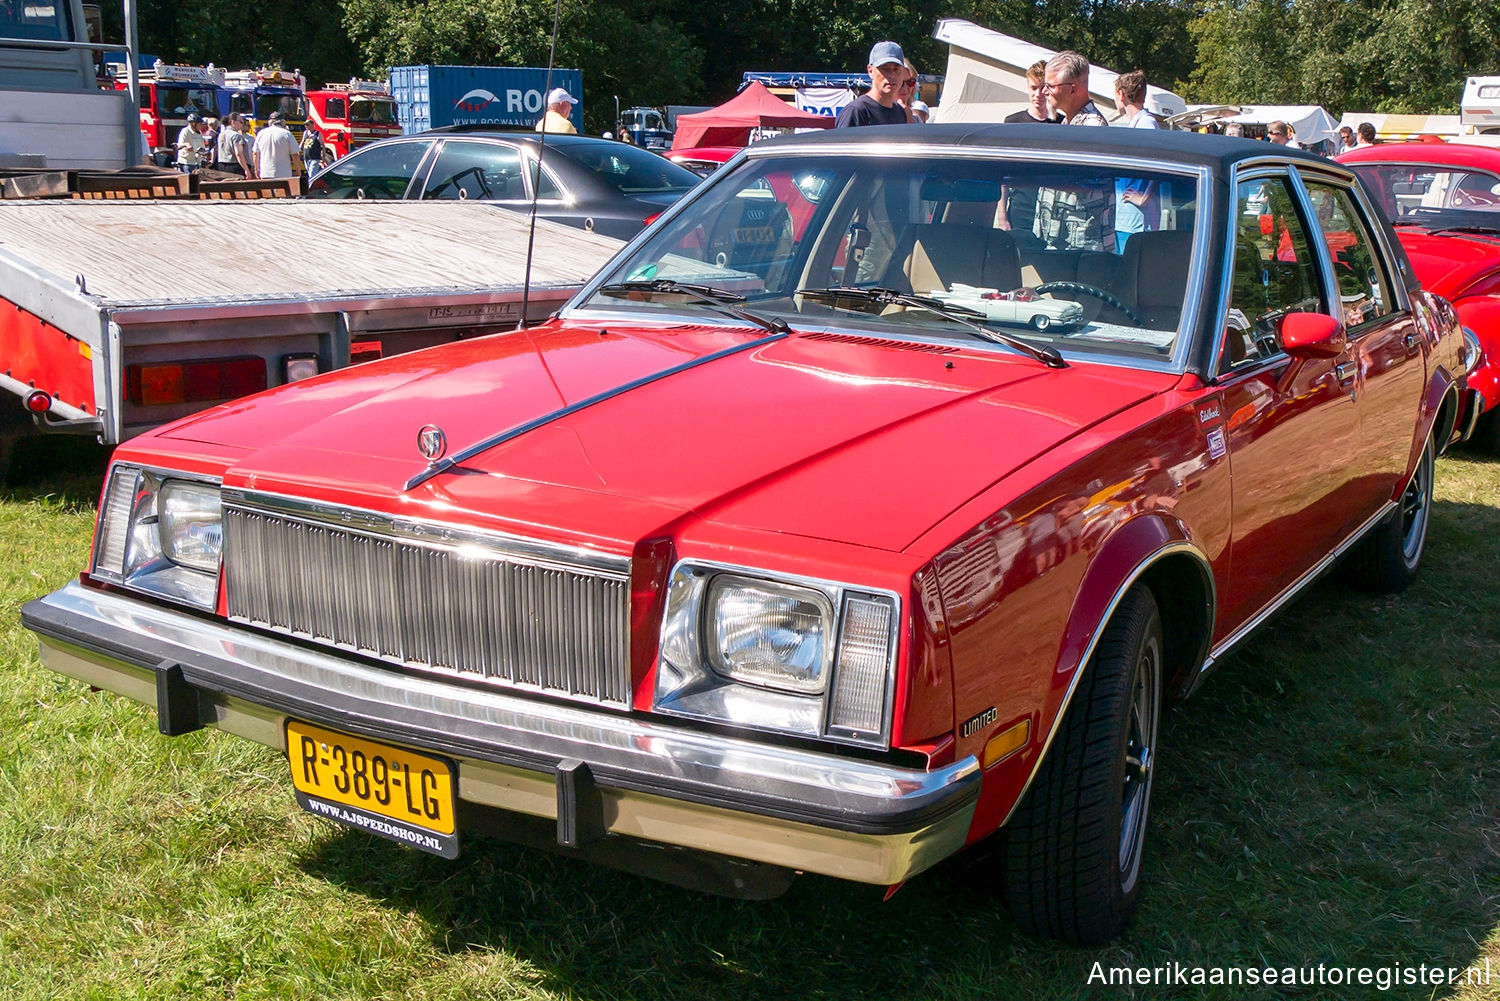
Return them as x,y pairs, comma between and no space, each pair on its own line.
595,184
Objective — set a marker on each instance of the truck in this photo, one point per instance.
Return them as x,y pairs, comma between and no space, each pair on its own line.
646,128
1479,114
196,303
257,93
52,112
350,115
428,97
165,95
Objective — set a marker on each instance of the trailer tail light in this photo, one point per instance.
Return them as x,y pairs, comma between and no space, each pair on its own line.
363,351
295,368
194,381
38,401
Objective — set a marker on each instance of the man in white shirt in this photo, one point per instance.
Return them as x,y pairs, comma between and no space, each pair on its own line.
273,149
559,107
190,143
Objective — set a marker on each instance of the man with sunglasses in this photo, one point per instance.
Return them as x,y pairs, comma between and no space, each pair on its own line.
888,72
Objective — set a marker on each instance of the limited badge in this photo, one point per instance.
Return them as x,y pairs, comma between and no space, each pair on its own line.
431,442
974,724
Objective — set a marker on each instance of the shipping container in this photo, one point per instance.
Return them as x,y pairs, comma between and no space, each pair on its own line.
428,97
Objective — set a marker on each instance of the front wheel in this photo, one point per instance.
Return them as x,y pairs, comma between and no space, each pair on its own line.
1073,849
1388,560
1041,321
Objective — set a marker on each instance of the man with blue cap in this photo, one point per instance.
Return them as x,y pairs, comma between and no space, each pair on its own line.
887,71
559,107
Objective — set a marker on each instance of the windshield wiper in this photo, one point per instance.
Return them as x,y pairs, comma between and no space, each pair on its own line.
721,299
1476,230
961,315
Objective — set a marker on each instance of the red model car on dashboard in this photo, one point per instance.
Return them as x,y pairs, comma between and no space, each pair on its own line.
801,545
1444,201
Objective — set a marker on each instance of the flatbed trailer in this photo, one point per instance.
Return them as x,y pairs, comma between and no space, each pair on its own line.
117,316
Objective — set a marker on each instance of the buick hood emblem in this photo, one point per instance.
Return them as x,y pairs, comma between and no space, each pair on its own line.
431,442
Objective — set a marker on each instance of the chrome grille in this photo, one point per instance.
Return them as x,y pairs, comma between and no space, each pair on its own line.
460,605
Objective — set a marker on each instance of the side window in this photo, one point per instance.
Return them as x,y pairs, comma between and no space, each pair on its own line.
373,172
477,170
548,187
334,109
1364,286
1274,272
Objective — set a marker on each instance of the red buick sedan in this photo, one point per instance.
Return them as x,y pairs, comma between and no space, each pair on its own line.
795,543
1444,200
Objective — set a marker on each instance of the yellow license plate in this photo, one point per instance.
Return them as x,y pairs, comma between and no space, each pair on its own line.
385,790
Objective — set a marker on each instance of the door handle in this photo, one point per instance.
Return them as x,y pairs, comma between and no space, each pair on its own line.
1410,340
1345,370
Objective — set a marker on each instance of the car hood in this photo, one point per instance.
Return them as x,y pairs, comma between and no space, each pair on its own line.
1450,263
613,436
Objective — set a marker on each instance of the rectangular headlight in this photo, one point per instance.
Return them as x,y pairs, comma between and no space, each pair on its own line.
787,654
769,634
192,532
160,533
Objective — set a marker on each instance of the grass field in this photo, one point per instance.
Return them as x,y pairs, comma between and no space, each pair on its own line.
1332,796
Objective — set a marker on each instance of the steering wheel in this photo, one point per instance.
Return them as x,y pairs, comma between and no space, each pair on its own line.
1108,298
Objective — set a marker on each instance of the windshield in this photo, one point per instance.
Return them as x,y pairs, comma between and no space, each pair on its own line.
375,112
23,19
630,170
640,118
1068,255
290,105
179,101
1433,195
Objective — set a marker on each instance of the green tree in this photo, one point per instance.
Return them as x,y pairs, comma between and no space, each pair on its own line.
1355,55
306,34
638,51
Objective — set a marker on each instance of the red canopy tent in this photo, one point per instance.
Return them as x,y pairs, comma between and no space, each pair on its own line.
730,123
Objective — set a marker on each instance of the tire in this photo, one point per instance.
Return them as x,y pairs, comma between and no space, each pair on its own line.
1074,847
1041,321
1388,560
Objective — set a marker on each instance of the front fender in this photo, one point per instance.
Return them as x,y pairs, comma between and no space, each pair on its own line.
1481,314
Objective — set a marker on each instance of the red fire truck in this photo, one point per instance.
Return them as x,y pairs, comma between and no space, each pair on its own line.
167,93
349,115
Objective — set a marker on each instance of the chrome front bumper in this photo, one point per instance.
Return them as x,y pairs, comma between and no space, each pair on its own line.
800,809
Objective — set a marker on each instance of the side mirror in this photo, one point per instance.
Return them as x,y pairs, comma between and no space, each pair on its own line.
1312,335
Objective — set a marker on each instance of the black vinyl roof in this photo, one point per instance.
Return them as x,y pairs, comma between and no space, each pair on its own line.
1218,153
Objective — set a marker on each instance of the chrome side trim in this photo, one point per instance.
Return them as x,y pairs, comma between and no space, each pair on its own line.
495,440
1140,568
1291,591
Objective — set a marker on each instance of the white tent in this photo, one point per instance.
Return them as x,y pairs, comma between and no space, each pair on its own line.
1310,123
986,78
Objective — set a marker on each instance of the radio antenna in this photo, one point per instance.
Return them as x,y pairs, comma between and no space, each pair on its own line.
536,184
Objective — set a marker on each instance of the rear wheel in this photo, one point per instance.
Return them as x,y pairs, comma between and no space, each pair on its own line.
1073,849
1388,560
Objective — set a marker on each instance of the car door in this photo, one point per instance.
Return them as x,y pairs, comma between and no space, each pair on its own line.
381,171
1385,343
1290,426
478,170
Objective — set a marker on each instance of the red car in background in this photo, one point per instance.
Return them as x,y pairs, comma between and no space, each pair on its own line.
1444,201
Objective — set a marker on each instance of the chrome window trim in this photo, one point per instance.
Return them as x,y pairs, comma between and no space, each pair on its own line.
429,533
528,154
1364,211
837,592
1202,175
